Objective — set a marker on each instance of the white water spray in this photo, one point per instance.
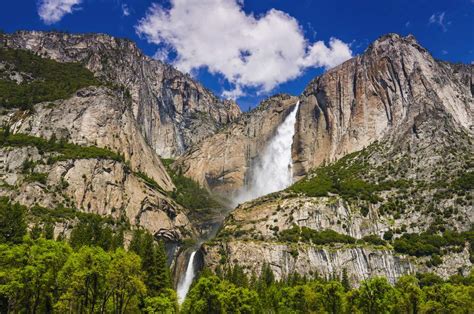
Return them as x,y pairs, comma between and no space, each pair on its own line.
274,169
186,282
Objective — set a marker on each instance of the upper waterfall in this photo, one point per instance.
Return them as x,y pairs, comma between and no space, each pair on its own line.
273,170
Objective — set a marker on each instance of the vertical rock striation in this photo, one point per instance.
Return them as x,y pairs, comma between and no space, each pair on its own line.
380,93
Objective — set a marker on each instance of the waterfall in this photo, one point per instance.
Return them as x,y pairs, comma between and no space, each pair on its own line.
272,172
274,169
186,282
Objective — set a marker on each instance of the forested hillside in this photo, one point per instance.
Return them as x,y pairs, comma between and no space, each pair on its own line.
91,272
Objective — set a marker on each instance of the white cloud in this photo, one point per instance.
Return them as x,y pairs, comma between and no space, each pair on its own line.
249,51
161,54
233,93
52,11
125,10
439,19
320,55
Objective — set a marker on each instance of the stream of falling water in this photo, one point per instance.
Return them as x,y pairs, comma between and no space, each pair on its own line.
186,282
271,173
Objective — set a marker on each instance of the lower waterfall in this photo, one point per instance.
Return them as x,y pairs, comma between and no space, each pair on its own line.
185,283
274,169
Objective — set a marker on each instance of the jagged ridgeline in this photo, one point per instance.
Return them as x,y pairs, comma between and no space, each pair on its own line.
172,110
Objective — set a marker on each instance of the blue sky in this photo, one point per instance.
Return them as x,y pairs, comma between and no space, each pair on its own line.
255,48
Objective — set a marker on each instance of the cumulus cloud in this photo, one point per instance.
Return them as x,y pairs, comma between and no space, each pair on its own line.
249,51
52,11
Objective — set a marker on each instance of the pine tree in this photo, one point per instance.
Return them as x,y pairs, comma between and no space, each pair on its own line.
154,261
218,272
12,222
35,232
136,242
49,231
163,272
267,275
345,280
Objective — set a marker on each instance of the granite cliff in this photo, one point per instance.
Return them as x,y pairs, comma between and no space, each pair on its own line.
172,110
383,150
382,157
122,109
379,94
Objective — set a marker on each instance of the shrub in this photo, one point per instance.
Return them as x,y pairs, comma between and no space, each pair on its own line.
373,239
296,234
426,244
37,177
465,182
387,236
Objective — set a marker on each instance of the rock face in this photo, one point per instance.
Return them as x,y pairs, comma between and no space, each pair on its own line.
359,262
389,135
100,186
383,93
379,93
95,116
172,110
222,161
251,237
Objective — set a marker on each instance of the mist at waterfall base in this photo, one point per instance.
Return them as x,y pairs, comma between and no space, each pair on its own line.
271,173
273,170
187,280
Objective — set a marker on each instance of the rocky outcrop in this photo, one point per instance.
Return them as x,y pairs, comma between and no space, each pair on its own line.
94,116
359,262
172,110
378,94
101,186
222,161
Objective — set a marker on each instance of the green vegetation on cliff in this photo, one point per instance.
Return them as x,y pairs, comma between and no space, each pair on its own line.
43,79
65,150
188,192
427,244
346,178
304,234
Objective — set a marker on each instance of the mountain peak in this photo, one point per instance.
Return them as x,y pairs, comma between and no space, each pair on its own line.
390,41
